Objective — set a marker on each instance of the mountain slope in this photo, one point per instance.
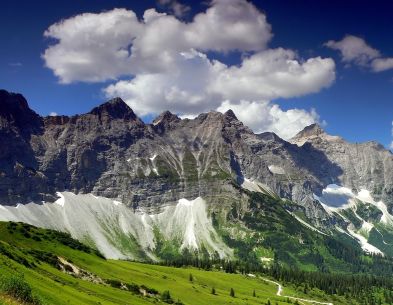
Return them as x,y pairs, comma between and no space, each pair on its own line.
207,186
60,270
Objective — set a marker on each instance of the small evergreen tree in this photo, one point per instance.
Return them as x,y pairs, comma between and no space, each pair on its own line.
213,290
190,278
166,297
232,293
254,294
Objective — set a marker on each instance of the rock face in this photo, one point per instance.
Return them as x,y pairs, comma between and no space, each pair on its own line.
363,165
110,152
144,189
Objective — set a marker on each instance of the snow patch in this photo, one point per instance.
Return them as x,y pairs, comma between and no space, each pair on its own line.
61,200
363,242
274,169
387,218
335,196
255,186
115,202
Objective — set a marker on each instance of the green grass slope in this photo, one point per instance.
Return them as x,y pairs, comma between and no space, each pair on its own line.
40,266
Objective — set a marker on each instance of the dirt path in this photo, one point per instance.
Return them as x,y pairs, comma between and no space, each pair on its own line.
280,290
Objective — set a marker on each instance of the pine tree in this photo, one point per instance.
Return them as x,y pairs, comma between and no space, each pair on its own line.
254,294
166,296
213,291
191,278
232,293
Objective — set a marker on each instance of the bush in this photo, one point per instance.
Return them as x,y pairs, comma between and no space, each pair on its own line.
166,297
15,286
114,283
134,288
149,290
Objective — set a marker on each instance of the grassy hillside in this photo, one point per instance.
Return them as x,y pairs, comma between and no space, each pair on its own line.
47,267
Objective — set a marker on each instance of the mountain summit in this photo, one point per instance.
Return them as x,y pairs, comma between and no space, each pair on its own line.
115,108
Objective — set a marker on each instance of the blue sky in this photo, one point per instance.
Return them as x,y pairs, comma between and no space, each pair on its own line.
356,104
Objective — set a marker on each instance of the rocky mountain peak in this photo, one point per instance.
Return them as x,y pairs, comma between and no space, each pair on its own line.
269,137
230,115
310,131
115,108
165,121
14,110
165,118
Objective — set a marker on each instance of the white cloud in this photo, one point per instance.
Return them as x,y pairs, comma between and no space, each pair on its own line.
97,47
382,64
178,9
273,74
355,50
53,113
266,116
230,25
92,47
168,66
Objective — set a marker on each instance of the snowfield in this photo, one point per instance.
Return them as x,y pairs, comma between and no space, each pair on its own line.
336,198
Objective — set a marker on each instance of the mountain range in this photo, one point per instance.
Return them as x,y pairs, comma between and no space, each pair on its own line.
207,186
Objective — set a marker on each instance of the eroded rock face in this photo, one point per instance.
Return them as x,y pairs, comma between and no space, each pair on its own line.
110,152
363,165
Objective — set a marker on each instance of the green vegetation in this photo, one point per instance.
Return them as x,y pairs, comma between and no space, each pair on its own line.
39,266
55,269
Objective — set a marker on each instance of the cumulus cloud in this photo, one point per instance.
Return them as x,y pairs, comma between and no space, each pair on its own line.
273,74
266,116
98,47
355,50
167,64
199,84
92,47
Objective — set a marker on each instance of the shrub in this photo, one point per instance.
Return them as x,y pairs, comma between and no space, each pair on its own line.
15,286
114,283
150,290
134,288
166,297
